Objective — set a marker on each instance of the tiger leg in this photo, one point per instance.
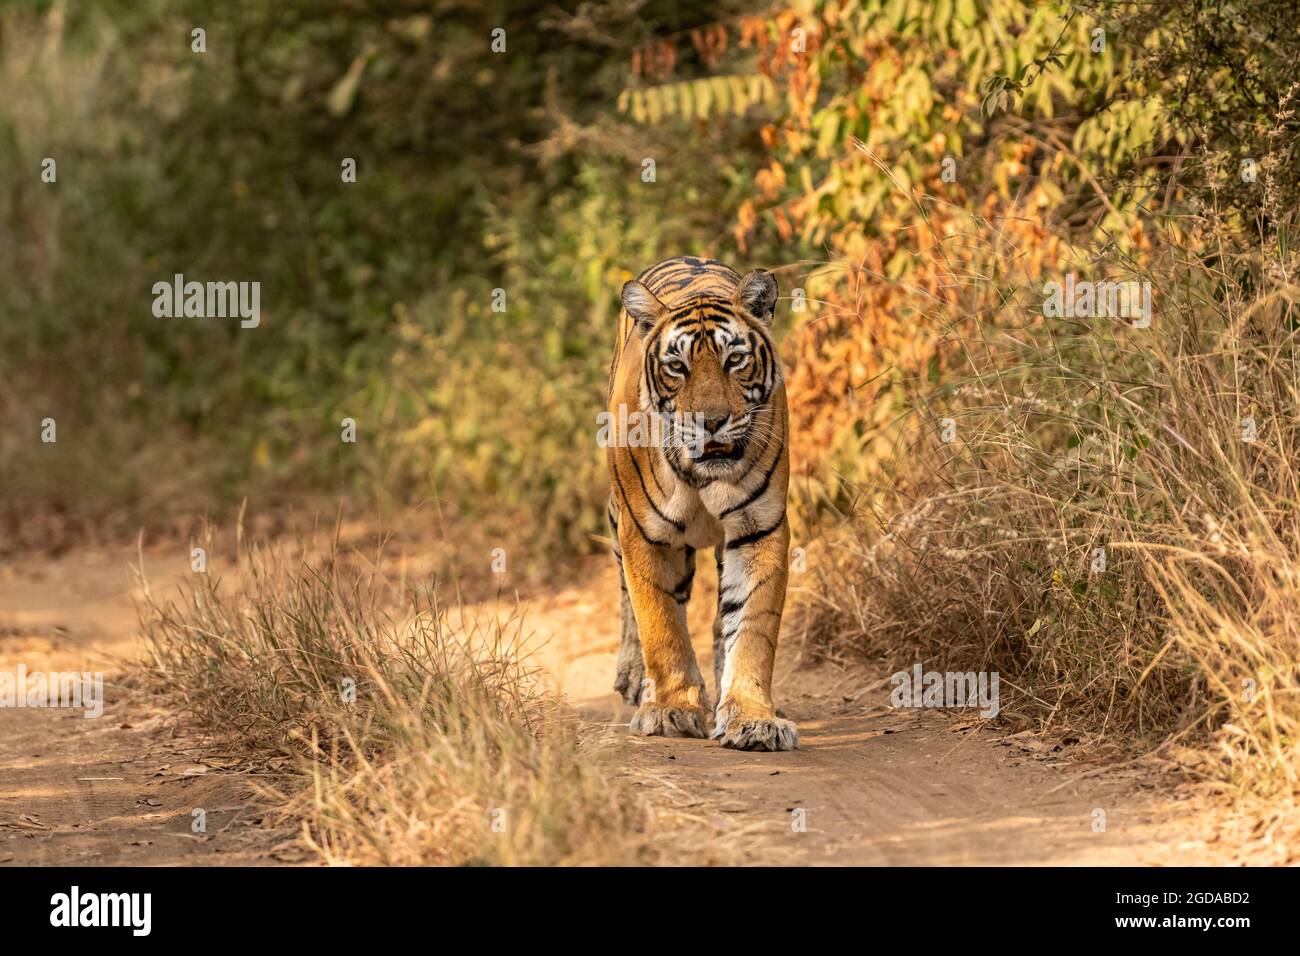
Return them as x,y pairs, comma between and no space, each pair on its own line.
629,675
751,598
659,578
719,645
629,678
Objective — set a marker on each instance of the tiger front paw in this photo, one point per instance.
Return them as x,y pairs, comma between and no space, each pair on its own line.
740,730
653,719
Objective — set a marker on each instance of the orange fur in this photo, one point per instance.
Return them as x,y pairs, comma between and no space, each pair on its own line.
694,341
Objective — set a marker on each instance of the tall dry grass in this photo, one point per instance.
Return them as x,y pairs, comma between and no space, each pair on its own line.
1115,526
421,738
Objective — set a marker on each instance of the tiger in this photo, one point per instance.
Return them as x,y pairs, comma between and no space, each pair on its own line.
695,353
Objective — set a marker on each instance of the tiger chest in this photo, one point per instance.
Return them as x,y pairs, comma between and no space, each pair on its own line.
686,521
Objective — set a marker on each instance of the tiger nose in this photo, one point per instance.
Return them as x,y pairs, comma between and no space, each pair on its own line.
713,424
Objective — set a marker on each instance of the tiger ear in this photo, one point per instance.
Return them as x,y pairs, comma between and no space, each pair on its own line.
756,296
642,305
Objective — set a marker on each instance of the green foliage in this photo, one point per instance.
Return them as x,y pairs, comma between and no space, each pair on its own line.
518,171
697,99
376,295
1225,77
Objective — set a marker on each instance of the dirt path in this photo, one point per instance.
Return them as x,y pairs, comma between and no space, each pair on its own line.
876,786
880,786
121,788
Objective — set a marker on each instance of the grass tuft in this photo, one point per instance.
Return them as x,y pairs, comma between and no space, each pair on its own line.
420,736
1114,526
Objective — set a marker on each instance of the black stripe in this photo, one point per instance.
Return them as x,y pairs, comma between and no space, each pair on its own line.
762,487
683,590
756,536
650,498
731,607
654,473
740,479
632,514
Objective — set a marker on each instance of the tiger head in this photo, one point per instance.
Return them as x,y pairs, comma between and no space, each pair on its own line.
709,369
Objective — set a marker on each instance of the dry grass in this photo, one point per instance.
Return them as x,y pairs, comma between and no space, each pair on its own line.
1074,435
451,753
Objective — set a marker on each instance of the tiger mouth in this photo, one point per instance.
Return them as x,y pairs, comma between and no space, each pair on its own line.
719,451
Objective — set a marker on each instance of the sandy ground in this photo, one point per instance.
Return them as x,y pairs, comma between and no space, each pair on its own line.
122,788
881,786
869,785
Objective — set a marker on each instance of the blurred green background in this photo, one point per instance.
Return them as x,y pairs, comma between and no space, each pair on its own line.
475,171
519,170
